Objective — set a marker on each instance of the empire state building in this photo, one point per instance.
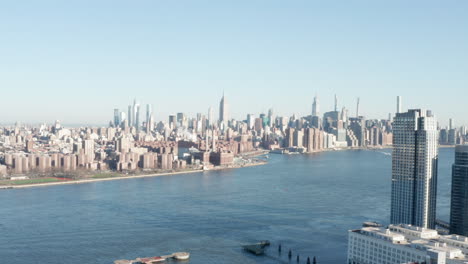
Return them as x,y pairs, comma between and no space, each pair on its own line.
223,110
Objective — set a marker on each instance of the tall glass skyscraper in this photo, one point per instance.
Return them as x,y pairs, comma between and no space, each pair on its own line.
116,117
459,201
414,169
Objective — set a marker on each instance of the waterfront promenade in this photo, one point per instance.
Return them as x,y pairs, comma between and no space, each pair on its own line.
124,177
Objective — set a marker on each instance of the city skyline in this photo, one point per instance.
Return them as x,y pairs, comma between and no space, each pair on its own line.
151,131
142,109
75,62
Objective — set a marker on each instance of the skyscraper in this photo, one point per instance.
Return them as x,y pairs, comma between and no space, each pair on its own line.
414,169
137,117
315,107
398,104
123,118
130,115
315,121
451,123
357,107
181,119
172,122
344,115
116,117
250,121
210,116
150,123
459,200
223,110
136,114
271,117
148,113
336,103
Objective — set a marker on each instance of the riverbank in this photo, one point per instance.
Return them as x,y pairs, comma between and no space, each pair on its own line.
285,151
124,177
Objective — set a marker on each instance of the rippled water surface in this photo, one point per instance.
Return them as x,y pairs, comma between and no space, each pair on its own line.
305,202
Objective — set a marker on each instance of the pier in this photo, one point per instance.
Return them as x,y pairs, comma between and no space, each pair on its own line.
157,259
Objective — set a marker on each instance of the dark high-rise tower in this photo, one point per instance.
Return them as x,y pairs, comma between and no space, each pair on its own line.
459,201
116,117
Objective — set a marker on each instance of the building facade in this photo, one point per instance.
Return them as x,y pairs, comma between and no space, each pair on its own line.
414,169
223,110
315,107
459,198
399,244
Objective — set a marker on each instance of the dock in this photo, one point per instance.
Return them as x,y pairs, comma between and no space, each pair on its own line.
156,259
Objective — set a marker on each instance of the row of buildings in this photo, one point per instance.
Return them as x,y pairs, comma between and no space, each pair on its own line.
127,132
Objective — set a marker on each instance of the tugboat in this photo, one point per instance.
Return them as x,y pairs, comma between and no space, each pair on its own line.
257,248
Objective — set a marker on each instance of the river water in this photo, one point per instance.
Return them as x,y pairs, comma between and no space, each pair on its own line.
305,202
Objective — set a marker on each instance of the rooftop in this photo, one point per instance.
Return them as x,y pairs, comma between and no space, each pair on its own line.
456,247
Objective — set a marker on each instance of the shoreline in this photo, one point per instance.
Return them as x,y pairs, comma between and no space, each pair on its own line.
251,154
82,181
329,150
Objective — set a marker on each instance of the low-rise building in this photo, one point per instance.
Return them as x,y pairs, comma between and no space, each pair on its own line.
397,244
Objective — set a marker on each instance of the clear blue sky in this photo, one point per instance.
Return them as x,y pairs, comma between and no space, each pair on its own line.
77,60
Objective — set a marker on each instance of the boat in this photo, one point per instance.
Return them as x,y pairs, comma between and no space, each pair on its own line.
181,255
157,259
151,260
371,224
257,248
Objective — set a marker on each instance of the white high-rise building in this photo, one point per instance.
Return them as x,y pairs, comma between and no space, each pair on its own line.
344,115
250,121
357,107
136,114
400,244
414,169
336,103
123,117
210,116
315,107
